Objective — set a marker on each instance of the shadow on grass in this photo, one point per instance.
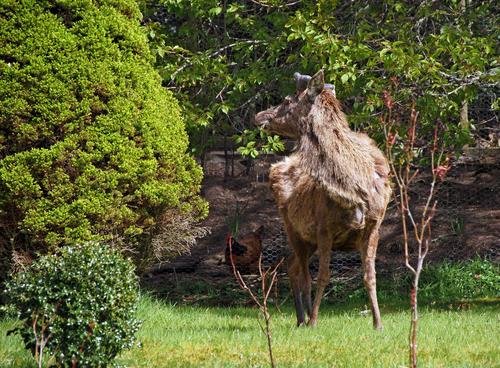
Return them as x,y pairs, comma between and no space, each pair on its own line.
224,296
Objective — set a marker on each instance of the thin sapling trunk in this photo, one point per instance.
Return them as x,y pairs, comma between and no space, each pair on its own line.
404,172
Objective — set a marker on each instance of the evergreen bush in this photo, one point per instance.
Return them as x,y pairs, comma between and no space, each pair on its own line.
77,306
92,147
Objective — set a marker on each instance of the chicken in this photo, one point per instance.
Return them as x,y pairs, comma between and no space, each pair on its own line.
244,251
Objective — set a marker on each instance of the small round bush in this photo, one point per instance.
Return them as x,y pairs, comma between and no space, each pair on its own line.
78,305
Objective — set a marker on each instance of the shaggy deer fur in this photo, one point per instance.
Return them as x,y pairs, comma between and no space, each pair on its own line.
332,192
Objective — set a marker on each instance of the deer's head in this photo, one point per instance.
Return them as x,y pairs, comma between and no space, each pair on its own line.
286,119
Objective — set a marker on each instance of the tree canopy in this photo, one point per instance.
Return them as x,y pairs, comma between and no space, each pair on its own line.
225,59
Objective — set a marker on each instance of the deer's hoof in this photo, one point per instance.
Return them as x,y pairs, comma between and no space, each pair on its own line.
312,323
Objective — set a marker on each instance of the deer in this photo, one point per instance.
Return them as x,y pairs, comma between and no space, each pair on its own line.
332,191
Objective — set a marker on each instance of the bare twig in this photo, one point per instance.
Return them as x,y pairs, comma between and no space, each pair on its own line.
41,339
265,5
266,286
216,53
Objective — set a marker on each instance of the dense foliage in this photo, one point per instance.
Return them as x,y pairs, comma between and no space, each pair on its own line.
440,284
476,278
79,306
229,58
91,145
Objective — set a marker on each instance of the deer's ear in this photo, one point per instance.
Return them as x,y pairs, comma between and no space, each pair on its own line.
301,81
316,84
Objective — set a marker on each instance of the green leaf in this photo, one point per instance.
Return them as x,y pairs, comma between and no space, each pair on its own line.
215,11
224,109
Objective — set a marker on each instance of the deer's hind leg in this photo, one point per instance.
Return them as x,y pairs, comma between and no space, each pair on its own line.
368,259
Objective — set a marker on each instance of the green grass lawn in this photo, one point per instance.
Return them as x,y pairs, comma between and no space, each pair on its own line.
190,336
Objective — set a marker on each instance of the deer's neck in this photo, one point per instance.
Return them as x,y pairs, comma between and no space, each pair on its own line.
332,154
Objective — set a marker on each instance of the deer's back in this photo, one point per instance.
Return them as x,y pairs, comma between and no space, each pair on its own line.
307,205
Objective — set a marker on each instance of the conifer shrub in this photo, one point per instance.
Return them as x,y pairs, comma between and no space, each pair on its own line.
78,306
92,147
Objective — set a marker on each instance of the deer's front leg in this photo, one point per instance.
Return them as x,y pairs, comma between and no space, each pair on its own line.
324,252
294,275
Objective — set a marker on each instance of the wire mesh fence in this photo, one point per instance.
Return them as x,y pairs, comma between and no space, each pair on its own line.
466,225
486,119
